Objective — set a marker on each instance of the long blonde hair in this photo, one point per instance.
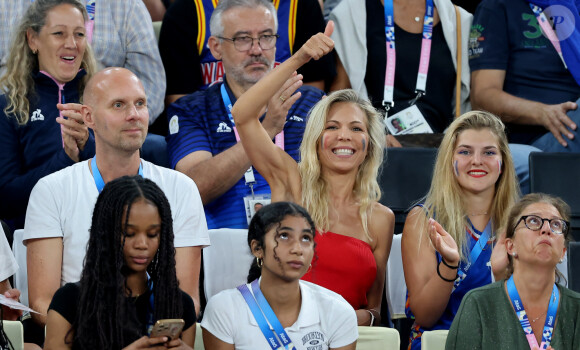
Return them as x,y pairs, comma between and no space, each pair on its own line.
17,83
315,196
445,202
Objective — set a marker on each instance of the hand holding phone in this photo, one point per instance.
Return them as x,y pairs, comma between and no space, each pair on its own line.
170,328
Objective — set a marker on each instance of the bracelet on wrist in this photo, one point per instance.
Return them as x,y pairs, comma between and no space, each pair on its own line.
449,266
443,278
372,318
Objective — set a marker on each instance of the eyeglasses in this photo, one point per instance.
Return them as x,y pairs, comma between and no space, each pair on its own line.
535,223
245,43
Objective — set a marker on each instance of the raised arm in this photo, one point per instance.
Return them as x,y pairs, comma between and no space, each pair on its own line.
213,174
428,293
279,169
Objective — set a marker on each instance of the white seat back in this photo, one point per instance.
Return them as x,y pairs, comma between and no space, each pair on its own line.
15,333
21,276
198,345
377,338
227,261
434,340
395,285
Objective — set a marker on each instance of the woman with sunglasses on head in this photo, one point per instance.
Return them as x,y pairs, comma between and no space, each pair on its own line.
302,315
529,309
336,179
447,241
128,280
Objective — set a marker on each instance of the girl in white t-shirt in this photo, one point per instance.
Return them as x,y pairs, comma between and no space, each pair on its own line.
281,237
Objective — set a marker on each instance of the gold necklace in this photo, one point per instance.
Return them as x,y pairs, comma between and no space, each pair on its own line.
537,318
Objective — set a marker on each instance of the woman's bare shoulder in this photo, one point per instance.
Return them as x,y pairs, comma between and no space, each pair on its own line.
381,221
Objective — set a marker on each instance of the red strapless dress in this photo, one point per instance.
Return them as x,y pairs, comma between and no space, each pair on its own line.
345,265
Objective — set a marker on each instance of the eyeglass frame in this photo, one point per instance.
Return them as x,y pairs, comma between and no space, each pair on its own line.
564,230
233,40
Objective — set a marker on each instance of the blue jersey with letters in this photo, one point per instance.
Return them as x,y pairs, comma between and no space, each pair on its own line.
212,70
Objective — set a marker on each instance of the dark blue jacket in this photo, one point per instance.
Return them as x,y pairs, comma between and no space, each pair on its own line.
31,151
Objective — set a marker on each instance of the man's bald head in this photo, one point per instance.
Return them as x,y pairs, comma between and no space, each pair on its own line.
115,108
103,80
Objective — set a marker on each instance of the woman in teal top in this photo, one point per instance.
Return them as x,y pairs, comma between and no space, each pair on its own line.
528,309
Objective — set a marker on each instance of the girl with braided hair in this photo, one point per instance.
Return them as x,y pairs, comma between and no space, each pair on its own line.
128,280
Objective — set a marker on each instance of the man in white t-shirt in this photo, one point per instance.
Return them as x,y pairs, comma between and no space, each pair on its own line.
60,209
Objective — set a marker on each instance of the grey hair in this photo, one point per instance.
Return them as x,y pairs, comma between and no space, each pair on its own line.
216,24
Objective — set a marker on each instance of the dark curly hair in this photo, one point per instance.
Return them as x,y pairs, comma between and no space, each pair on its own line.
265,219
106,317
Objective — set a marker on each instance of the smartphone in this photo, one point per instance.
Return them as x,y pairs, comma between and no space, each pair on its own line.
170,328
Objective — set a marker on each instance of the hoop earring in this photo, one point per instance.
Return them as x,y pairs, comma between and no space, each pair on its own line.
259,262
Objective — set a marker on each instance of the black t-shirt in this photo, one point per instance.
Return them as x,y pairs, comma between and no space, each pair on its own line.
436,104
177,45
66,298
469,5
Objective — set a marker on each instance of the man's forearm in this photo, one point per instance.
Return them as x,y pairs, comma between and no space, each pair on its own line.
216,175
510,108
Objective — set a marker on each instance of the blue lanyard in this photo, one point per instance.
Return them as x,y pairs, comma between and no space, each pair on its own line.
271,316
97,174
264,309
475,253
420,86
228,104
151,307
523,317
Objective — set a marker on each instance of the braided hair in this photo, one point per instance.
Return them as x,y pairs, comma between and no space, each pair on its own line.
269,216
105,314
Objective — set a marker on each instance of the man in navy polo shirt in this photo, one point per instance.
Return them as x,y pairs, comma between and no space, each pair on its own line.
518,73
202,141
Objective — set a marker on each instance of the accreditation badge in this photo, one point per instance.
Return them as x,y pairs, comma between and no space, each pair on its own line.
408,121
